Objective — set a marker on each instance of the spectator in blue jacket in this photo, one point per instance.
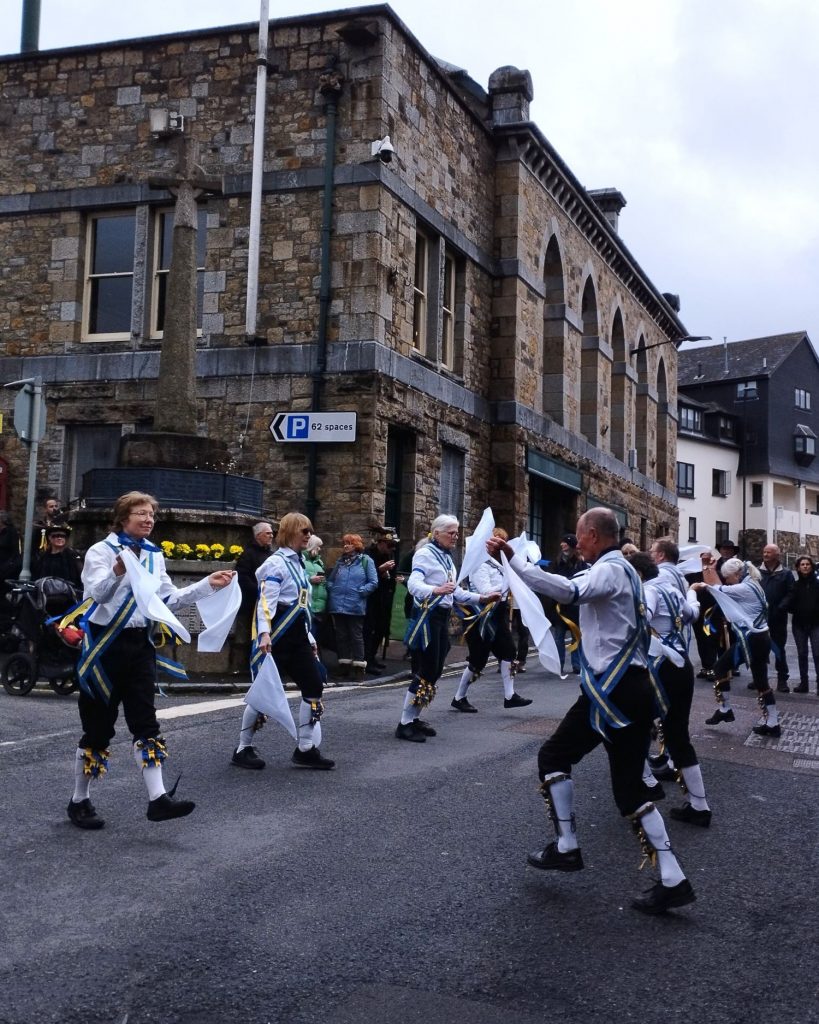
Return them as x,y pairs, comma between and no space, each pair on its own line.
351,581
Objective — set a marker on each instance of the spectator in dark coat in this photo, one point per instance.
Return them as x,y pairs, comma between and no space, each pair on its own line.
257,552
568,563
805,621
379,604
777,582
58,560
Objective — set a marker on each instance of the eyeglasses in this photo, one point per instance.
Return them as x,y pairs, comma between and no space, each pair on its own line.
144,515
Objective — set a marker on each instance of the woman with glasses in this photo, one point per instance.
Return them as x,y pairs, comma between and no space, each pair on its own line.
118,662
805,622
432,585
283,631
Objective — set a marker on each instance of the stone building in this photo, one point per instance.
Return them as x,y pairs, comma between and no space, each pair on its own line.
481,314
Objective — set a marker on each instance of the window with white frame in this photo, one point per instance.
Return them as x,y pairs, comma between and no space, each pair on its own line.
722,532
448,313
420,290
747,389
163,251
756,493
685,479
801,398
690,419
692,528
720,483
109,276
88,447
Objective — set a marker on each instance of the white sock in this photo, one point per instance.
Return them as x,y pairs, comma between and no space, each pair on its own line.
562,796
410,711
654,827
152,776
773,714
508,679
249,716
692,777
82,782
306,730
670,763
648,775
726,702
463,686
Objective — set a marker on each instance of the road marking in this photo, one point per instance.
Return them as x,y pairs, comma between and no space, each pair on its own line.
35,739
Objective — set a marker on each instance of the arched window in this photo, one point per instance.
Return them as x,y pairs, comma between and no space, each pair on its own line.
641,420
662,426
590,398
555,336
622,391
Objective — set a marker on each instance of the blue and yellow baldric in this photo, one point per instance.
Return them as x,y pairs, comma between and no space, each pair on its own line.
603,713
417,635
760,623
278,626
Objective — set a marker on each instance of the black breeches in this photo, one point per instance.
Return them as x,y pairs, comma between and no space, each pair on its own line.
501,645
429,663
294,655
130,664
678,684
759,647
626,748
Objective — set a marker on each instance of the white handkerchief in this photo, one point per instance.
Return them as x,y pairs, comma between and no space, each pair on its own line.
528,547
475,550
144,586
218,610
267,695
690,561
534,618
657,648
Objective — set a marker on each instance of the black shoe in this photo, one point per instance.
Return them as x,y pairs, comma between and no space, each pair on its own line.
658,761
688,814
164,808
752,685
312,758
423,727
660,898
657,792
409,732
83,815
380,665
768,730
736,672
801,688
665,774
516,701
551,859
783,688
520,668
247,757
704,673
720,716
463,705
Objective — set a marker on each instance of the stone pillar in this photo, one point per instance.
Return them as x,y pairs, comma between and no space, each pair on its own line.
510,93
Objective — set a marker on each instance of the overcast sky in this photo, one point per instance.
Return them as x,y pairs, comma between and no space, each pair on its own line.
702,113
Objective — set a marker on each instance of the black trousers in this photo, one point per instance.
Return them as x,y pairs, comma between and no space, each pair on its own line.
759,648
429,663
130,664
501,645
679,687
293,654
626,748
521,633
778,629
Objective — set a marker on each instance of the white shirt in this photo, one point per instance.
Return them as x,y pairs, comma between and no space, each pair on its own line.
488,578
432,566
110,591
280,577
604,593
683,601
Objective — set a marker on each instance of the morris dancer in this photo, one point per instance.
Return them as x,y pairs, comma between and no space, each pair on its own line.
616,706
489,633
433,587
671,607
119,660
743,603
283,626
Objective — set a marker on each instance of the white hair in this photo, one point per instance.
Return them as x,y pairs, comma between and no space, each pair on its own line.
314,544
736,567
443,522
257,529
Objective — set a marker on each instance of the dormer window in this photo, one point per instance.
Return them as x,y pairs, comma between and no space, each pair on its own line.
804,444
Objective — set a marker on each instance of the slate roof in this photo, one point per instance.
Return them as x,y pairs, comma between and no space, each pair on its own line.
757,357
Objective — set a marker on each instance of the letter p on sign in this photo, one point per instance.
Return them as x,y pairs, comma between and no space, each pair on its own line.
298,427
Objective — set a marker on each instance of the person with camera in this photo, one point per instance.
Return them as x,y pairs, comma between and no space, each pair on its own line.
118,661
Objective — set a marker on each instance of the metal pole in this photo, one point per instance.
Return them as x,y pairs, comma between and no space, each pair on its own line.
257,178
30,34
37,395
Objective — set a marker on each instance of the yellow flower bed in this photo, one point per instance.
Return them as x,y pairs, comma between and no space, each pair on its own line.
202,552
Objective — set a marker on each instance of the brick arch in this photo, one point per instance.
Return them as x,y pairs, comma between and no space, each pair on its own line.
622,389
557,364
591,383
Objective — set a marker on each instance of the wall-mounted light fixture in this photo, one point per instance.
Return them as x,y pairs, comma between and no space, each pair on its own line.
165,123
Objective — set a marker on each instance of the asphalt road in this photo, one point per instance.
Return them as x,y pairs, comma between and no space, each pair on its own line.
395,888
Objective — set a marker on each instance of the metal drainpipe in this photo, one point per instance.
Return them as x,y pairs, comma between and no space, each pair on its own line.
330,87
30,33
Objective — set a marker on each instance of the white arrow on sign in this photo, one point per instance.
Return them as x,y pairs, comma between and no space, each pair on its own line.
324,427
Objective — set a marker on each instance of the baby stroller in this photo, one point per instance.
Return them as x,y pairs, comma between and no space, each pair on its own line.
31,647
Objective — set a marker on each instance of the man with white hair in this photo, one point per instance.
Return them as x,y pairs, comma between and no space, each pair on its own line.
616,706
254,555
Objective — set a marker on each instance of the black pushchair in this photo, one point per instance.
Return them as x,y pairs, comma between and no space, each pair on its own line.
31,648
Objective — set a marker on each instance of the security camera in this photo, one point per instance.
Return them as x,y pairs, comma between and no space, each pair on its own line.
383,149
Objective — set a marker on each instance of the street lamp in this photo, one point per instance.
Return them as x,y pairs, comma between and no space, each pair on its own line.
671,341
